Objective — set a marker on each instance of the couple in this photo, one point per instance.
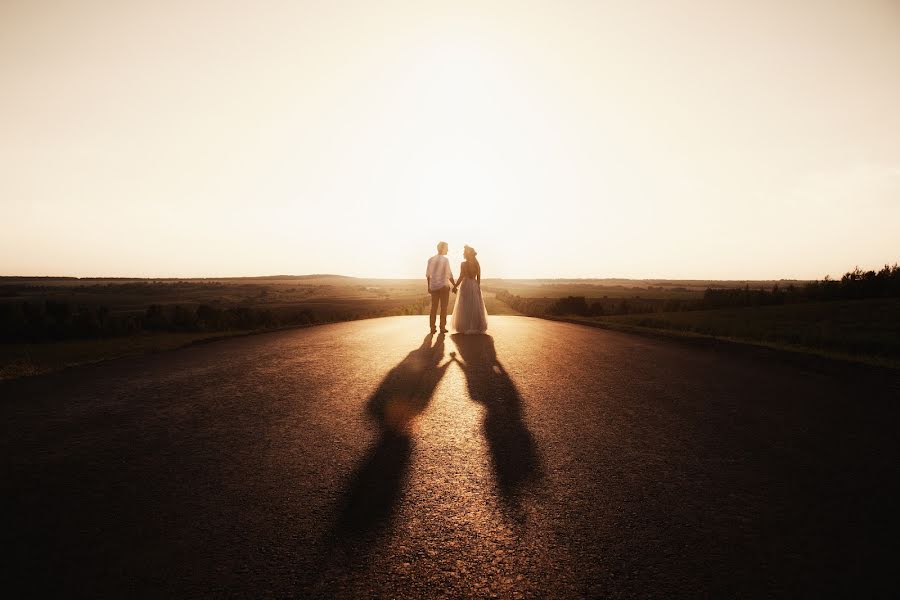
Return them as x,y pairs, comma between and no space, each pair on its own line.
469,314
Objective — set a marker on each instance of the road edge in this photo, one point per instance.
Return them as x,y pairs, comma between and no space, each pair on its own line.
798,355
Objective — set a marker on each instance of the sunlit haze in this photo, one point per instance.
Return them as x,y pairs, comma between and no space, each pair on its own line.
702,139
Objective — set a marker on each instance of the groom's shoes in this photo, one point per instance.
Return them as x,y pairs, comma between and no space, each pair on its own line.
443,330
434,330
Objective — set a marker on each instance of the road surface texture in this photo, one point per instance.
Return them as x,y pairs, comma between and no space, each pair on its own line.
366,459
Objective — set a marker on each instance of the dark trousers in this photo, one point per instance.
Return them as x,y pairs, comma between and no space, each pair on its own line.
443,296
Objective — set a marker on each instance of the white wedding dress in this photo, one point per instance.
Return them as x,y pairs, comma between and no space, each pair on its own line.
469,314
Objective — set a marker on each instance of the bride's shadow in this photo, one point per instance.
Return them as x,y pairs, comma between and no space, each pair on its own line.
513,450
378,482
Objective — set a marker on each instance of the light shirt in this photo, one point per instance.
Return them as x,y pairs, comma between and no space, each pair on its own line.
439,271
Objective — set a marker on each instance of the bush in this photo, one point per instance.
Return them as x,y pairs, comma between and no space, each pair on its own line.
570,305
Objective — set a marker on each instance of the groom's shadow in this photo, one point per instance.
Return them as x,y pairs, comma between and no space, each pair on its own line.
375,488
512,447
378,482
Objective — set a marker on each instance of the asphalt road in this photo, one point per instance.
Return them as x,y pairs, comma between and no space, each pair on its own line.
366,459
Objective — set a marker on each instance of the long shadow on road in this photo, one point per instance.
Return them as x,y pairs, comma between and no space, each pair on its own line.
512,447
376,487
378,482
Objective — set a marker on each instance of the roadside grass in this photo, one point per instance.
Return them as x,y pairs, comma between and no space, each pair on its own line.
325,299
26,359
20,360
859,330
495,306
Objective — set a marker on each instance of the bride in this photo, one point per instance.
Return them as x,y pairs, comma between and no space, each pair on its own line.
469,314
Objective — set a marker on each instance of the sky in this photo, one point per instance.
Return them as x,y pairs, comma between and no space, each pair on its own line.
671,139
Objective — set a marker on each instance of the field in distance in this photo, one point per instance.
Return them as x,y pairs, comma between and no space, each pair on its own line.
856,317
325,297
47,323
51,322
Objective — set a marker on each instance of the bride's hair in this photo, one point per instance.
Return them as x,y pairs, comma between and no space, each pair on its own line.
469,251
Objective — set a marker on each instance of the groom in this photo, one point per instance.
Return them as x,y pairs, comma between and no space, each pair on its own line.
440,280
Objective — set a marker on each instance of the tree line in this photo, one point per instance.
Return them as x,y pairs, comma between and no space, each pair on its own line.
37,321
853,285
54,320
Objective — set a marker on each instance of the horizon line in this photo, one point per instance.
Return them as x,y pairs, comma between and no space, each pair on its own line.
381,278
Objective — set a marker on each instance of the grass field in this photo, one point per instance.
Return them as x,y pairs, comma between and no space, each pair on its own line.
495,306
850,328
328,298
18,360
325,295
322,292
658,289
867,330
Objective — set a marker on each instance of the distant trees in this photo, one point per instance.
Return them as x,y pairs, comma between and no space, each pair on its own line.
526,306
570,305
575,305
870,284
60,318
54,320
854,285
581,306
